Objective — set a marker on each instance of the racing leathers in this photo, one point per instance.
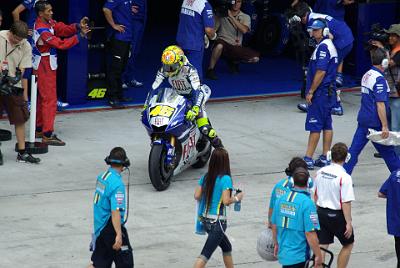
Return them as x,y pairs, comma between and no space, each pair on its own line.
186,82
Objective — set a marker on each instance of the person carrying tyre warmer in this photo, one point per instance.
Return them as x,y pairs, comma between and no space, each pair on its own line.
294,225
215,188
110,240
320,94
195,21
284,185
391,191
374,111
333,189
184,79
47,38
342,38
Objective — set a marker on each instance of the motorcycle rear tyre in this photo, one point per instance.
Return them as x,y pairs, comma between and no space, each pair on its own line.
159,176
202,161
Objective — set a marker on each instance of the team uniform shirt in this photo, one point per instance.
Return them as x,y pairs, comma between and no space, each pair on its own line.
19,56
324,58
227,32
31,14
196,15
391,188
217,207
333,8
186,82
142,4
109,196
122,14
52,35
294,214
283,187
333,186
374,88
342,35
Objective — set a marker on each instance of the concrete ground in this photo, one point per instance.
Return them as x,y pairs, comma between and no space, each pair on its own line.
46,210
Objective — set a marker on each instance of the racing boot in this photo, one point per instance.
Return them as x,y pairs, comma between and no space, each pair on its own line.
205,127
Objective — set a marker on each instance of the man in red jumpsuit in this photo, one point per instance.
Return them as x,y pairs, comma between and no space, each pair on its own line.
47,38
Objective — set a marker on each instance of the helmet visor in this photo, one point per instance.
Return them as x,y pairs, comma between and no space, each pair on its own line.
171,68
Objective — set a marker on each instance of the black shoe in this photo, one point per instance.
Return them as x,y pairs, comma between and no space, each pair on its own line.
1,159
27,158
211,74
233,67
377,155
115,104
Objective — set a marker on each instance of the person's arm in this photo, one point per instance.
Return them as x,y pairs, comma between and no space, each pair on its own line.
381,195
346,207
383,192
275,239
208,20
116,222
237,24
198,192
63,30
57,42
109,17
313,242
319,76
381,108
228,199
17,12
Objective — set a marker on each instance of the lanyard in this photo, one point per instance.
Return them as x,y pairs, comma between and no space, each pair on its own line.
9,53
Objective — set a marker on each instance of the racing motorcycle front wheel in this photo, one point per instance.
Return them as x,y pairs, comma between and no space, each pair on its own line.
160,173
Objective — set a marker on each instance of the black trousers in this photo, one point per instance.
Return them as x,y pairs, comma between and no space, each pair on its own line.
298,265
397,246
119,57
104,255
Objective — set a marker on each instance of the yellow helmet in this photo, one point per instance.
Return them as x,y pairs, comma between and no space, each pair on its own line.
172,59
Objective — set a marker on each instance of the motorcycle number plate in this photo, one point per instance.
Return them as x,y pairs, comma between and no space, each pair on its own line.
162,110
159,121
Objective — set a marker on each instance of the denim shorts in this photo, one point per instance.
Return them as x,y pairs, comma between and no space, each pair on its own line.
216,237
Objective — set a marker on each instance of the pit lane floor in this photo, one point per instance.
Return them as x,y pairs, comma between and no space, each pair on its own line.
46,210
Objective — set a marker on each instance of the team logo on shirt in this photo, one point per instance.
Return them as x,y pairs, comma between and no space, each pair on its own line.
280,192
119,196
314,219
288,210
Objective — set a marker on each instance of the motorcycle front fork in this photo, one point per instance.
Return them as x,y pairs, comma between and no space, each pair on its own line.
170,152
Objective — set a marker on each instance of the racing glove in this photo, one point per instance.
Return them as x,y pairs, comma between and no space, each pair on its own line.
193,113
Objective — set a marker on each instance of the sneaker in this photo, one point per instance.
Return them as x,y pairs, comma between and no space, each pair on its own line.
338,110
339,80
210,74
27,158
321,161
309,162
132,83
302,107
53,140
61,106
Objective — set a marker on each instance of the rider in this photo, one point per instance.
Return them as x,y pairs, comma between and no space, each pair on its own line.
184,79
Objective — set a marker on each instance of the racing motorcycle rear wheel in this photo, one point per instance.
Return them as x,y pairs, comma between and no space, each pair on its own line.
160,173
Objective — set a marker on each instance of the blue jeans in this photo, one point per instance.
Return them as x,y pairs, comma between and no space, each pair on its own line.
216,237
357,145
395,121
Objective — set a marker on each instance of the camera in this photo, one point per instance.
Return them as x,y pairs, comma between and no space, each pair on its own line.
7,83
221,7
377,33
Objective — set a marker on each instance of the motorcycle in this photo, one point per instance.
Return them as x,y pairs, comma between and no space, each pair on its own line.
176,143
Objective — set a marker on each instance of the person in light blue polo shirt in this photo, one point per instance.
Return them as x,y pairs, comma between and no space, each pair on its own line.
391,191
294,225
195,21
373,113
214,191
110,242
284,185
